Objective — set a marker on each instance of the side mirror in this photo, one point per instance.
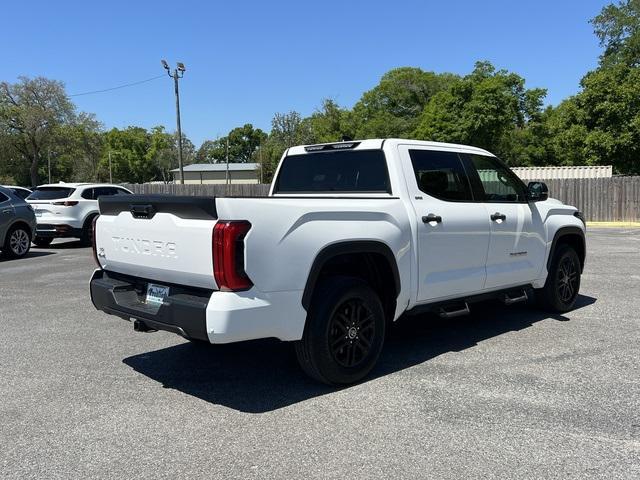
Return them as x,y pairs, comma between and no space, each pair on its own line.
537,191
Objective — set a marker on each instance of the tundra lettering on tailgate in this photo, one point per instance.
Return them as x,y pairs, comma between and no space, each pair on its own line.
155,248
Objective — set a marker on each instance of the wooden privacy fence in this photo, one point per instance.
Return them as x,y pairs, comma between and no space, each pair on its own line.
213,190
613,199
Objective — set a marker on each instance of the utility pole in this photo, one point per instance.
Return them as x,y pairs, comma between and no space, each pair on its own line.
260,160
177,74
227,174
110,176
49,163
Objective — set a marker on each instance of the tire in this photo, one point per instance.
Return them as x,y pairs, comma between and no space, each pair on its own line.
561,289
344,332
87,232
17,242
42,242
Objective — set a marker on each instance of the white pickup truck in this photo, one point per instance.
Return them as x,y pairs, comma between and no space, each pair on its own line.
352,235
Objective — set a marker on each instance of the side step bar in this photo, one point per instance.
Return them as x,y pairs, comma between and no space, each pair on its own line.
454,310
521,296
459,307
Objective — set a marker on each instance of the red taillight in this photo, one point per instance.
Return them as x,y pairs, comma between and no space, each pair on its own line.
228,255
66,203
93,240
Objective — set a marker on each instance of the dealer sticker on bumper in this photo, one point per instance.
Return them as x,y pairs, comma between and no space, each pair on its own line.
156,294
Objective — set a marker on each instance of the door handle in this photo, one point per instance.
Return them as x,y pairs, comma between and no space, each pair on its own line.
498,216
7,210
432,218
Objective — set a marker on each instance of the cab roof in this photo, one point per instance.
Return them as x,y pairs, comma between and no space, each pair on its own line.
378,143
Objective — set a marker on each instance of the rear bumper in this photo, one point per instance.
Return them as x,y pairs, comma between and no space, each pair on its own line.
59,220
214,316
183,312
48,230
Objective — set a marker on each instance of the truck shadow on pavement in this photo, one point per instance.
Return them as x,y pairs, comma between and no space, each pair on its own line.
32,254
263,375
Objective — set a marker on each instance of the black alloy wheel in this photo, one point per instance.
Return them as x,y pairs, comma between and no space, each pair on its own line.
351,333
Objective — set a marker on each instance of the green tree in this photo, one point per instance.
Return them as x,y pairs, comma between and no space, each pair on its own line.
188,149
129,159
484,109
287,130
330,123
31,111
618,29
393,107
162,151
242,142
601,124
207,152
76,150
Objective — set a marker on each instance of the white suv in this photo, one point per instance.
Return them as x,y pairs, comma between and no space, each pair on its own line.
66,210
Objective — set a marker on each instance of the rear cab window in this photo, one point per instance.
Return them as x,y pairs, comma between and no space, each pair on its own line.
341,171
441,175
51,193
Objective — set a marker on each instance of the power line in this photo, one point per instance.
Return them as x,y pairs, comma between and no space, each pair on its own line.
118,87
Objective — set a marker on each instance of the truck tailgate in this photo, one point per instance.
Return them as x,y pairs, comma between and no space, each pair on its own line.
160,238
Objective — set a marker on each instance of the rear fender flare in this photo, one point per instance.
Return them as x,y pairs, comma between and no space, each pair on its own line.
342,248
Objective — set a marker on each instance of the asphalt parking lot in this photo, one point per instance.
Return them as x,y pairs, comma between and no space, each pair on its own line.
503,393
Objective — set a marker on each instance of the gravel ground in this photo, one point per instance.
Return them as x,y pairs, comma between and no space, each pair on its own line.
503,393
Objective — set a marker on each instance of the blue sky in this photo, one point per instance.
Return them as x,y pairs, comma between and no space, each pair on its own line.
247,60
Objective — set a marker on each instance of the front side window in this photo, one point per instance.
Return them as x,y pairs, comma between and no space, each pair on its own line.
353,171
495,182
441,175
104,191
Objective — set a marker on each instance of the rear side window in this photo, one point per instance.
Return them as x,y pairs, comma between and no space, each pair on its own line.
441,175
122,191
87,194
3,197
353,171
51,193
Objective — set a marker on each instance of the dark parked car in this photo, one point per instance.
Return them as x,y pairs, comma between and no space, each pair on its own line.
21,192
17,224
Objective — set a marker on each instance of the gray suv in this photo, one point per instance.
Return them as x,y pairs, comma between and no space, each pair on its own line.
17,224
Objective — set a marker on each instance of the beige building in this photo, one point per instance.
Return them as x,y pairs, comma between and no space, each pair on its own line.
550,173
217,173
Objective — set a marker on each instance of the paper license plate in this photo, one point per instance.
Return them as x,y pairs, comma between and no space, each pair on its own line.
156,294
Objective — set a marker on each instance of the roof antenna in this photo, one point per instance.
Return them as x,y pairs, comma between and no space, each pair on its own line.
347,138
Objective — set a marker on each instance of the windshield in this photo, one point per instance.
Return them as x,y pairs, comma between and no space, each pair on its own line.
50,193
353,171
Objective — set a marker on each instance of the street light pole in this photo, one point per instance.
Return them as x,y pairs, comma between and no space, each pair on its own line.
227,174
177,74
